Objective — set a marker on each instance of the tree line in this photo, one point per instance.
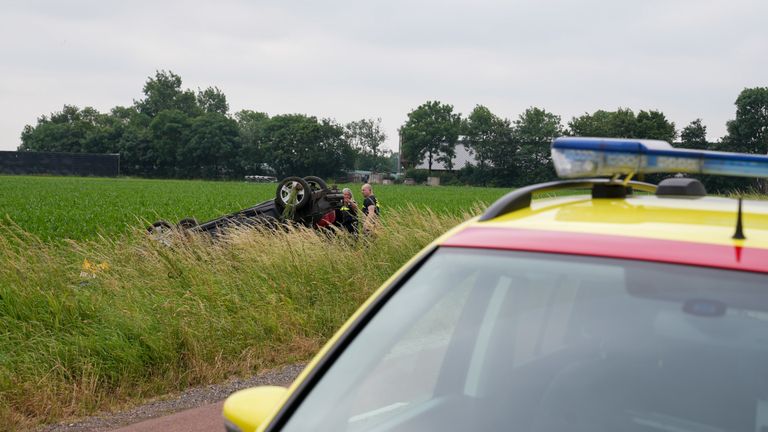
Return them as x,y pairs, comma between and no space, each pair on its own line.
179,133
517,152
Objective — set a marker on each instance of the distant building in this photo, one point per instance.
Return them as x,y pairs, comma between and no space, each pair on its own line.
358,176
463,156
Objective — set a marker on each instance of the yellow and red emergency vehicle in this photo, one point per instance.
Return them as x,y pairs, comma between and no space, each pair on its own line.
632,307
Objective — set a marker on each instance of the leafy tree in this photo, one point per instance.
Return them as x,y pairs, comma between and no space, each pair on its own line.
488,137
484,133
212,100
533,132
694,136
54,134
159,135
70,130
623,123
169,134
104,134
620,123
654,125
335,154
212,148
163,92
366,137
748,133
134,142
431,131
252,156
123,131
296,144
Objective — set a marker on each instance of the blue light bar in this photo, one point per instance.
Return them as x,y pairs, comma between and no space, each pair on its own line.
590,157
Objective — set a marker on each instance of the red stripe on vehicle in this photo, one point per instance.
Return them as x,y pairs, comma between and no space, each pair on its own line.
645,249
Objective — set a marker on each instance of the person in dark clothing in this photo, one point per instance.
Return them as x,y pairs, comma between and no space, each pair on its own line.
370,209
370,203
346,216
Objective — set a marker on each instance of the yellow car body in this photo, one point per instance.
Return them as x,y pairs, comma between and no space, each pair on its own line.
680,230
634,308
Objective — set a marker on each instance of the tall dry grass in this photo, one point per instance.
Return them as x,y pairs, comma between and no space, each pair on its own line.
158,318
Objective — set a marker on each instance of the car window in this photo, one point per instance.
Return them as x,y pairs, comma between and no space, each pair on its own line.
418,354
500,340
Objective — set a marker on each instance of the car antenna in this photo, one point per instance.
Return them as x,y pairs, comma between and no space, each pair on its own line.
739,234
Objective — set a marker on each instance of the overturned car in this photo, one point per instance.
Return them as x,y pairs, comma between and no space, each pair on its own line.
298,200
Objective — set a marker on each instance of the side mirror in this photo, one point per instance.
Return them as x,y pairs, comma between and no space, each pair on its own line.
246,409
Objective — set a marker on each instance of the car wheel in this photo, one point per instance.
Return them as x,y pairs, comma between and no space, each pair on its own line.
159,226
187,223
161,231
316,183
283,193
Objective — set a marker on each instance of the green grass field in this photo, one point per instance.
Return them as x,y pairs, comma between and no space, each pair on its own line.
56,208
148,319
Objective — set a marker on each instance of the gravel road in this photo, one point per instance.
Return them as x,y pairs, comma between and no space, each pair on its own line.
206,399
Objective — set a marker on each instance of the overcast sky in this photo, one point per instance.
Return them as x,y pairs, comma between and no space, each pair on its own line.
367,59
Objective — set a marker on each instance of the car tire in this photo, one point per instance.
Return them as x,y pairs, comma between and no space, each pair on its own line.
187,223
159,227
283,192
161,231
316,183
